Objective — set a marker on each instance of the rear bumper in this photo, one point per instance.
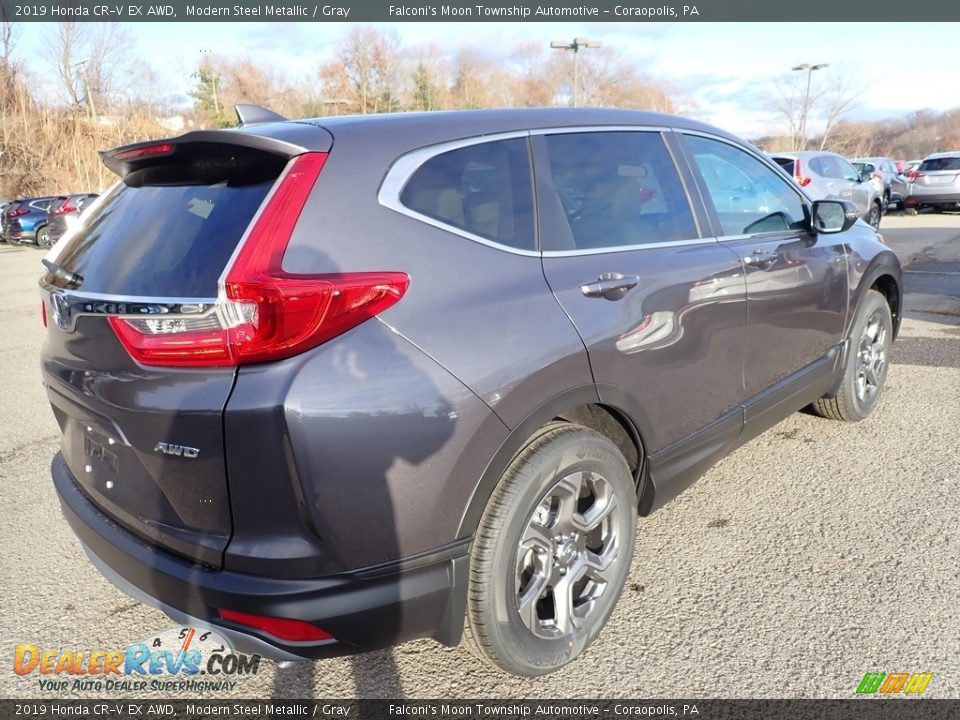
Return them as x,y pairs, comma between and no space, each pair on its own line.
363,609
940,197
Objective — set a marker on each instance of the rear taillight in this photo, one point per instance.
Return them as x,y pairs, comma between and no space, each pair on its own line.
18,212
281,628
876,176
265,313
914,175
802,180
65,207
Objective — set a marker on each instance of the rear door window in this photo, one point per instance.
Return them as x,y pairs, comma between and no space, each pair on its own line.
483,189
618,189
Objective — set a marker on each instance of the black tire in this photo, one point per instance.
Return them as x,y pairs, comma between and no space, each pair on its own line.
560,458
852,404
886,203
874,215
43,237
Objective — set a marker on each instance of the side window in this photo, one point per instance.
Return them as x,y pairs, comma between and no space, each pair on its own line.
484,189
749,196
618,189
848,171
821,167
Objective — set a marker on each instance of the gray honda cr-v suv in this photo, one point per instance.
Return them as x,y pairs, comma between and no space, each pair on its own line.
329,385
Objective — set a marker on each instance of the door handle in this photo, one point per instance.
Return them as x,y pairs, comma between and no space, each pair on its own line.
761,259
610,286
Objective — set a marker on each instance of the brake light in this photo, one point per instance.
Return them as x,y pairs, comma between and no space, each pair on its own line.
18,212
802,180
914,175
876,176
142,152
265,313
280,628
65,207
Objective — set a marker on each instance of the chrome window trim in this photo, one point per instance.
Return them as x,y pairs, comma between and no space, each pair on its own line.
406,165
577,129
626,248
772,164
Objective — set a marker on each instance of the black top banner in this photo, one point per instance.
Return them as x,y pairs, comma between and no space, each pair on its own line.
853,11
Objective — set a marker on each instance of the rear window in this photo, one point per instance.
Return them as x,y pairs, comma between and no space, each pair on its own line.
172,233
945,163
484,189
786,164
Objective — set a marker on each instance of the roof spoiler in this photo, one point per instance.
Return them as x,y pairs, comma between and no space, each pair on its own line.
253,114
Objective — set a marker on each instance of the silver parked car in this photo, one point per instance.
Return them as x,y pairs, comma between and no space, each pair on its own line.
828,176
885,170
935,183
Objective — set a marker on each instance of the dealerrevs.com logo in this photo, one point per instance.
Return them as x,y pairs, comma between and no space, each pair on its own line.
179,659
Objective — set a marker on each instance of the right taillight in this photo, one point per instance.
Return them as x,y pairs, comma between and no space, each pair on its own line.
265,313
65,207
802,180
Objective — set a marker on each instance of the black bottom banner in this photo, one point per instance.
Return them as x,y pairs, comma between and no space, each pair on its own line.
865,709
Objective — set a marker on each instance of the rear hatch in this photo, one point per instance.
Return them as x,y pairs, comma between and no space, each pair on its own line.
935,173
132,365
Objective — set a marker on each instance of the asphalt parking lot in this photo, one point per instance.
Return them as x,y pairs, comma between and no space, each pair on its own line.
809,557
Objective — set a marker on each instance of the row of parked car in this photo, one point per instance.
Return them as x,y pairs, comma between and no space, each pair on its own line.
41,221
875,184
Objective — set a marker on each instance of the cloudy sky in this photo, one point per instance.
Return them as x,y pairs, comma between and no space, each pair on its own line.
726,71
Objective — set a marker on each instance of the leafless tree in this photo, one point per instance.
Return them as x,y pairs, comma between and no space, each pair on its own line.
97,64
829,100
366,71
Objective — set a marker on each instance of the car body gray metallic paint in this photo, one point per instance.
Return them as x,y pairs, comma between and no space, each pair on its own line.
385,443
481,314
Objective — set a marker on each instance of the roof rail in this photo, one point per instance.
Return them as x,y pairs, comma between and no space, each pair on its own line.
253,114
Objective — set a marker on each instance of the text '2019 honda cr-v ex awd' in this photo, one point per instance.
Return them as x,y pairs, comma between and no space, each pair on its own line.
329,385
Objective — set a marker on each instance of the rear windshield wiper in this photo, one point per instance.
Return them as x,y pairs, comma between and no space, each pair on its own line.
71,279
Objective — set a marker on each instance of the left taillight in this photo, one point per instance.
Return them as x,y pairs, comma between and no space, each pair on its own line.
265,313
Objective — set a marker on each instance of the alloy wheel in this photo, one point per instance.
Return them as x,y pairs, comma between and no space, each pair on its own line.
871,359
567,555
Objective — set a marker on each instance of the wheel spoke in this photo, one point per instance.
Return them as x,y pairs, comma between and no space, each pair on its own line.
567,492
598,565
564,617
536,536
595,515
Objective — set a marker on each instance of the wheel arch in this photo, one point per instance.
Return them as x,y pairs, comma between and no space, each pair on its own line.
585,405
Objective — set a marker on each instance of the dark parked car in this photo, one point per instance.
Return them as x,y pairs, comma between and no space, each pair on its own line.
65,216
330,385
25,221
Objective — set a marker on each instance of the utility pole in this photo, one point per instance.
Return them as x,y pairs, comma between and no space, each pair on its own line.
806,100
577,43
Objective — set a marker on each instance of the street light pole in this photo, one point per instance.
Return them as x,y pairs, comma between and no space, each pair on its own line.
577,43
806,100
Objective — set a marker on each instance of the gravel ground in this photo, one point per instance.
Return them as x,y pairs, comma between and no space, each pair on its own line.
816,553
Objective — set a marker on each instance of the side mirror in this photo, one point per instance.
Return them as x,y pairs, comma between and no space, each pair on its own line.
833,216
